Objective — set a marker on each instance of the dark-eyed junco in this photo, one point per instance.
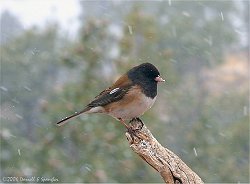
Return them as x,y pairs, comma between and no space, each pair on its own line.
129,97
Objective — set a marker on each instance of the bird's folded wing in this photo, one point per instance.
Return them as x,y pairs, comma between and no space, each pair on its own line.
109,96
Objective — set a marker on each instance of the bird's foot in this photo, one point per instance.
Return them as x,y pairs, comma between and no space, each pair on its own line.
133,130
135,124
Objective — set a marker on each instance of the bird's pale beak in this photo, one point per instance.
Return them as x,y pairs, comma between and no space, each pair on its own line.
159,79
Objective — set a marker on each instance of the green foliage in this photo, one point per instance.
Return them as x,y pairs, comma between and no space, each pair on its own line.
45,78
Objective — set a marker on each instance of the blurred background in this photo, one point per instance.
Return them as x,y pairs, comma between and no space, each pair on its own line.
57,55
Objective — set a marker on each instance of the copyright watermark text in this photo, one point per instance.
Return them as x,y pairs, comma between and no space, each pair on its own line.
32,179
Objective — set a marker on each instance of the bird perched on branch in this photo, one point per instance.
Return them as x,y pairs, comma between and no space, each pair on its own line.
129,97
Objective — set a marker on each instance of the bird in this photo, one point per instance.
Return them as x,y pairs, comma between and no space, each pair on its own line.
129,97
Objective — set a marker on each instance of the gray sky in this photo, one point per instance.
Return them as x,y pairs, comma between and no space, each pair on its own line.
31,12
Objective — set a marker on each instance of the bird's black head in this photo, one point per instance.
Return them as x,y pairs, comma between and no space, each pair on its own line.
147,76
145,71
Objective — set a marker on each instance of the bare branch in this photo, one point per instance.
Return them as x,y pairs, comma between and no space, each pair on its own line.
169,165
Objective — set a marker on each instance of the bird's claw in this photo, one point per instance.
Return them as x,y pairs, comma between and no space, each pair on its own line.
132,130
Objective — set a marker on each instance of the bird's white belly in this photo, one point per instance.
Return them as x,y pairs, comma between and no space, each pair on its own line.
133,109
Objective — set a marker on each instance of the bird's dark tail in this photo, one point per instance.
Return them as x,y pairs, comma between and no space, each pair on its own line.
65,120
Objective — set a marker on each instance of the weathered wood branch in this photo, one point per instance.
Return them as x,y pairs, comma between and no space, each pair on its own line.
169,165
